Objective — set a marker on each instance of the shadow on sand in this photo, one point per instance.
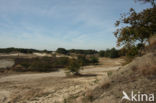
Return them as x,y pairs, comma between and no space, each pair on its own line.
87,75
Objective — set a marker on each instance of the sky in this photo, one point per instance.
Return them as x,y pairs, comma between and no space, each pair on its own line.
51,24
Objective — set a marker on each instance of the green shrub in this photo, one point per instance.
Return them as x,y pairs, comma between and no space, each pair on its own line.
21,50
61,62
82,59
47,64
111,53
44,64
62,51
41,66
132,51
74,67
102,53
83,52
93,60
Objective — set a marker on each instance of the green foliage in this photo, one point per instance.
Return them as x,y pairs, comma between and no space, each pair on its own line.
21,50
41,66
138,28
61,62
93,60
102,53
133,51
62,51
44,64
111,53
84,52
82,59
74,67
75,51
47,64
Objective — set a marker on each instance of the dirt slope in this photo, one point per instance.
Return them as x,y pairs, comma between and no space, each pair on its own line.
138,76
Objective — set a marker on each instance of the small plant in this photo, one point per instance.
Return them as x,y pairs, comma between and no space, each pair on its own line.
65,100
109,73
74,67
94,60
96,81
82,59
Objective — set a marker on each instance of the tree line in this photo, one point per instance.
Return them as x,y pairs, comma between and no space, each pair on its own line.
75,51
111,53
22,50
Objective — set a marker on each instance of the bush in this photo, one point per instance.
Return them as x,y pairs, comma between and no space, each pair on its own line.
111,53
102,53
132,51
47,64
62,51
61,62
74,67
84,52
44,64
41,66
82,59
76,64
21,50
93,60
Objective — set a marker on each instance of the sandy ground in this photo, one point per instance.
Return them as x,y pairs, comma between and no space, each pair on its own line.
5,63
53,87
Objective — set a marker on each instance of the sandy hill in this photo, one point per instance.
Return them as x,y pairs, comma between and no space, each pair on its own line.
138,76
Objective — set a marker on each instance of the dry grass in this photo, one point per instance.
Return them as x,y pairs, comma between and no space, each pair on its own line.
152,46
92,95
105,85
24,95
149,70
127,60
55,86
146,64
133,76
152,40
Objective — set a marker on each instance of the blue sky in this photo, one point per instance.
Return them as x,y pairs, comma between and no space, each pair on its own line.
49,24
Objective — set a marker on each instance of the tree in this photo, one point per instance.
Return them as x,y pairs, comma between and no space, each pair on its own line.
74,67
101,53
111,53
114,53
82,59
61,51
94,60
139,27
79,51
151,1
